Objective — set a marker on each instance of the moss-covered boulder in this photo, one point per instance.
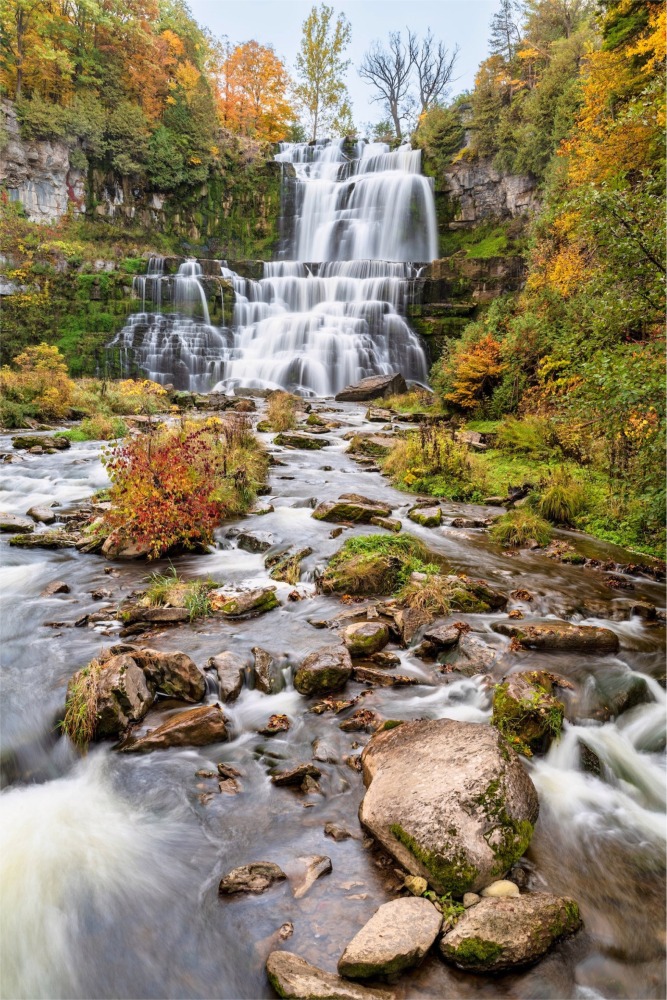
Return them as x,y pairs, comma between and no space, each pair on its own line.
526,711
247,602
365,638
427,517
351,507
326,670
288,569
449,800
555,635
294,439
497,934
374,564
372,445
474,596
27,441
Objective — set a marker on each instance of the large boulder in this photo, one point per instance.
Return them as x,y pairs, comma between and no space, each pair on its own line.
327,669
375,387
526,711
294,978
501,933
230,670
360,510
555,635
245,602
449,800
12,524
124,694
197,727
118,545
173,674
397,936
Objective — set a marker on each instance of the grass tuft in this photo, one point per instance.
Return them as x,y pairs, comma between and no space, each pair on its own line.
518,527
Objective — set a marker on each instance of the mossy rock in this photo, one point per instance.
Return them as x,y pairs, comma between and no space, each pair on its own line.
365,638
526,712
427,517
373,564
288,439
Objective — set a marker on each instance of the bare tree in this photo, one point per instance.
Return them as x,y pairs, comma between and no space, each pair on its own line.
390,71
434,65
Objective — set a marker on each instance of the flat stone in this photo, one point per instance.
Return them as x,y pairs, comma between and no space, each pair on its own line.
316,866
295,775
512,931
443,637
503,887
246,602
375,387
43,515
55,587
231,671
255,541
365,638
323,671
560,636
397,936
195,728
256,877
268,676
14,525
292,439
380,678
171,615
428,517
44,540
295,979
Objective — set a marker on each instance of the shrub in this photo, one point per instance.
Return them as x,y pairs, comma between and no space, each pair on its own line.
431,461
39,379
281,411
98,429
531,436
561,499
469,372
172,487
518,527
132,396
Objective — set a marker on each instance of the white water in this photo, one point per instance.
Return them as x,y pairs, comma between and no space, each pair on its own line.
330,316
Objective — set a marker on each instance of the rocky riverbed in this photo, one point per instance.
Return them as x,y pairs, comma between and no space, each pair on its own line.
284,796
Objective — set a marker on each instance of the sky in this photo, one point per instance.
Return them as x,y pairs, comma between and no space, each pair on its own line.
278,23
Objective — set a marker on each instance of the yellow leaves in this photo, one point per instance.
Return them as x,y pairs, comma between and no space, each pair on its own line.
195,160
253,93
528,53
40,378
187,77
641,425
474,370
653,45
174,42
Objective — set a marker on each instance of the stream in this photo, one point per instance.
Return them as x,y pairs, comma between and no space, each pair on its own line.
110,863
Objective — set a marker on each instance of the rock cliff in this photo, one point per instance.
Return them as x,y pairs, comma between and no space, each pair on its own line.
477,192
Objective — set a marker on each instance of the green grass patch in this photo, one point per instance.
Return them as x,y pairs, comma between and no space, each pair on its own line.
518,527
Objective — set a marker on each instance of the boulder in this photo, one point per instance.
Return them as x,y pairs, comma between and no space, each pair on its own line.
378,415
323,671
526,711
11,524
474,596
197,727
449,800
43,515
295,439
408,621
428,517
316,866
397,936
255,541
28,441
255,877
231,671
55,587
365,638
295,775
124,694
44,540
288,569
375,387
474,656
246,602
380,678
268,676
388,523
118,546
560,636
436,640
616,691
173,674
359,511
294,978
502,933
372,445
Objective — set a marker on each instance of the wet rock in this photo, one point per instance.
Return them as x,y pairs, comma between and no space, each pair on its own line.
139,613
375,387
295,775
268,676
317,865
196,727
336,832
468,522
55,587
380,678
118,690
361,721
247,602
327,669
276,724
260,508
449,801
255,541
367,447
294,978
474,596
231,671
470,898
436,640
385,659
43,515
473,656
503,887
617,691
100,594
14,525
428,517
389,523
288,569
526,711
365,638
295,439
324,752
256,877
503,933
44,540
375,414
173,674
119,546
397,936
359,511
555,635
415,884
408,621
27,442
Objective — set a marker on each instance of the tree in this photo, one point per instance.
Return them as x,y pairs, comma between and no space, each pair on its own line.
434,65
254,95
321,68
505,30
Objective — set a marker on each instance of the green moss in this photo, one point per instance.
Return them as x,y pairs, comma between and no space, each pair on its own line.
376,564
450,872
528,724
475,951
508,838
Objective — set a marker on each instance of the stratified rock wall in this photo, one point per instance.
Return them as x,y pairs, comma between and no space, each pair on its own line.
477,192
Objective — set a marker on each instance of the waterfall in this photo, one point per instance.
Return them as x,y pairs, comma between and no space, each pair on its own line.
364,218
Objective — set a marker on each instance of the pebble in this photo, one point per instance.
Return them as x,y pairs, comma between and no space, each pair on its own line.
416,885
503,887
470,898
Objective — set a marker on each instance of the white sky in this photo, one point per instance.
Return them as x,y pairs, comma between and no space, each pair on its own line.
278,23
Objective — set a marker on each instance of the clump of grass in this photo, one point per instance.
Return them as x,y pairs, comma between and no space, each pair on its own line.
100,428
281,411
197,600
169,589
531,436
80,718
376,564
432,594
561,499
415,401
431,461
518,527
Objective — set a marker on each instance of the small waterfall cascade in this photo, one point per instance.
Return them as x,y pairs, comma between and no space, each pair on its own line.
363,221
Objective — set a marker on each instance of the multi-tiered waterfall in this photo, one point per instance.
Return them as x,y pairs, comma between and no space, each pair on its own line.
363,220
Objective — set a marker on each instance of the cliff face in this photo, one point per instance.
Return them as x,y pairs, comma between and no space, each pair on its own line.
477,192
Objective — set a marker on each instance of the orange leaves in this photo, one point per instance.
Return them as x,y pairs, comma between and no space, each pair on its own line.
253,87
475,369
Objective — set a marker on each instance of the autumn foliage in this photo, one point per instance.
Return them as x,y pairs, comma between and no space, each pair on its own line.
170,488
38,380
254,93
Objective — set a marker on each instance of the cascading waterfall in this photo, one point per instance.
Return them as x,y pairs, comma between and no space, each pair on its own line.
364,219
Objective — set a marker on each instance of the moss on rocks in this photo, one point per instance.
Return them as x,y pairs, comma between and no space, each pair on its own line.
526,712
454,873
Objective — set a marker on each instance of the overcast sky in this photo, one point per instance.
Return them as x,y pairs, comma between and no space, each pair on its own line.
278,23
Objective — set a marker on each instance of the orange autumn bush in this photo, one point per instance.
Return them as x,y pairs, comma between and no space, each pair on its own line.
38,380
